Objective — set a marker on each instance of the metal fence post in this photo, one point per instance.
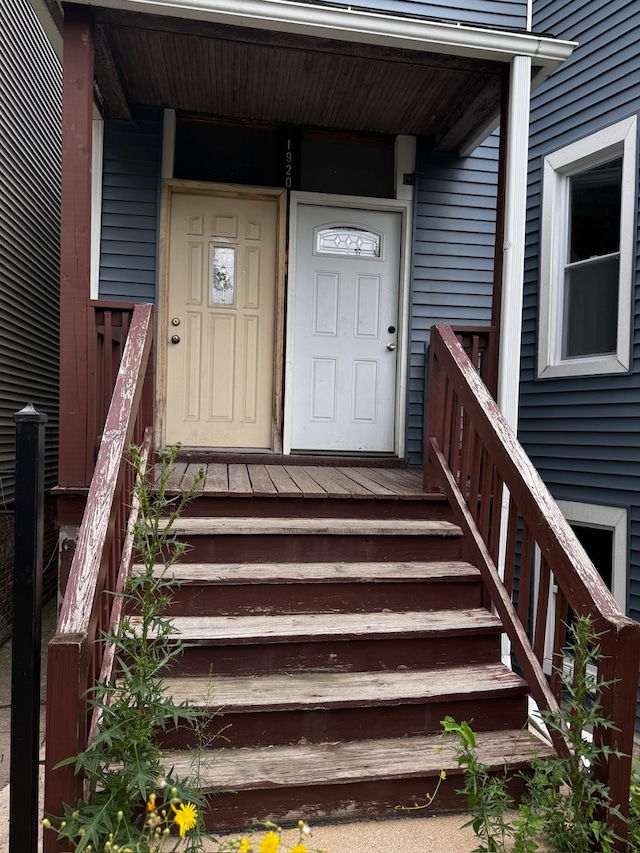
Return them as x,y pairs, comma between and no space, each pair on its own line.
27,628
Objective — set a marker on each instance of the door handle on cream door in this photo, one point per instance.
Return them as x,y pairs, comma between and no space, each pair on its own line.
391,346
175,339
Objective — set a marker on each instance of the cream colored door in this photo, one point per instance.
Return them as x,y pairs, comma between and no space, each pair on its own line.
221,321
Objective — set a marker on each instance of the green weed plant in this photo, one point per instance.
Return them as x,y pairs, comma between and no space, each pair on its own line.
133,803
564,805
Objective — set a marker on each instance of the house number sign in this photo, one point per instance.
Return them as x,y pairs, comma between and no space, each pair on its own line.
288,165
289,156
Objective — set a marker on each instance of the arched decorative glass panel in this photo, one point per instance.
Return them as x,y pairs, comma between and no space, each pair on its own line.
346,240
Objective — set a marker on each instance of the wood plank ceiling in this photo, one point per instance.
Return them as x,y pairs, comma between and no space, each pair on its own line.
262,76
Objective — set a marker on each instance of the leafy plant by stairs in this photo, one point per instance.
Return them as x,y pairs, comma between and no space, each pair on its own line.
135,802
564,805
132,802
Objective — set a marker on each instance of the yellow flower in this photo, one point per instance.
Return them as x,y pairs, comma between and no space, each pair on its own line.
245,846
270,843
151,803
186,816
299,848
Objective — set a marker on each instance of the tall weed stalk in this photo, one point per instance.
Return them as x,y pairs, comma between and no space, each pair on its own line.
565,805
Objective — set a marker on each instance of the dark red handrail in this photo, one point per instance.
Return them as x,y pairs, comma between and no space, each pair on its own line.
508,515
76,653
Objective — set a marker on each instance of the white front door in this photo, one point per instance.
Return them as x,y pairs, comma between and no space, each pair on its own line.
344,330
221,320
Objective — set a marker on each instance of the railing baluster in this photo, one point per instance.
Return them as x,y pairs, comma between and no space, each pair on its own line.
455,427
524,583
542,609
486,476
495,517
559,642
474,484
448,414
510,550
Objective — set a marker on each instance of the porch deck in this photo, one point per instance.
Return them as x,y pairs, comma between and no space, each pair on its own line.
299,481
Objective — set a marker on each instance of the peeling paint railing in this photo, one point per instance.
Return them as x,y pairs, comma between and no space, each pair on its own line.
111,321
509,517
76,653
479,344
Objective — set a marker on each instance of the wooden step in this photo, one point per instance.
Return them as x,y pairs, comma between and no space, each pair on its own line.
244,588
225,630
350,779
318,707
293,506
249,539
285,692
337,641
232,526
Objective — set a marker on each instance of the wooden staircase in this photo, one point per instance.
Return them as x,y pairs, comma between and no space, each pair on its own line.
336,650
335,641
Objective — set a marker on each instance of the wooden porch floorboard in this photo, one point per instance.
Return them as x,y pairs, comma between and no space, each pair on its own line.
308,481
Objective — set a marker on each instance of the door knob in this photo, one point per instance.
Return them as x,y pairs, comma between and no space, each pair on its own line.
175,339
391,346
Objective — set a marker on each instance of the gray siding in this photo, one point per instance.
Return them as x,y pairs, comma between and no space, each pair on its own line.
582,433
492,13
30,101
454,234
130,207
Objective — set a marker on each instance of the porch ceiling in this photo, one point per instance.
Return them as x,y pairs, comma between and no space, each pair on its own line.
260,75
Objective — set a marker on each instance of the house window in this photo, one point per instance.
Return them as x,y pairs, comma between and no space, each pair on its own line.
602,532
586,260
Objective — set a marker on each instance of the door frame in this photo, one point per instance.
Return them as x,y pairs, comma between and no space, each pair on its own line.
390,205
199,188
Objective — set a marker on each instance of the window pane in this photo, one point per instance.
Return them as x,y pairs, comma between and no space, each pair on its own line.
340,240
598,543
348,163
223,275
595,211
591,308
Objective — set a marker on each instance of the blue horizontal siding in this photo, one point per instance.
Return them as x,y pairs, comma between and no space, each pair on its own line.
581,432
492,13
130,205
452,266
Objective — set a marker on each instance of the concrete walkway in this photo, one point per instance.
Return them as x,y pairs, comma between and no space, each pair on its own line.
408,833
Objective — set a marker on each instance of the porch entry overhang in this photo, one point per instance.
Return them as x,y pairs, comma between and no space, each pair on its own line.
298,64
259,60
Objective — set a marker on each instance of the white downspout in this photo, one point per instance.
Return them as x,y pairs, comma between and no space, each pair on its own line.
513,268
514,236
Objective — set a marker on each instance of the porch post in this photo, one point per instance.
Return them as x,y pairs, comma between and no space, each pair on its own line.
514,156
75,244
517,157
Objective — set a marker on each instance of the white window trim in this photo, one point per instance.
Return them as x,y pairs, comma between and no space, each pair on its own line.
605,518
614,141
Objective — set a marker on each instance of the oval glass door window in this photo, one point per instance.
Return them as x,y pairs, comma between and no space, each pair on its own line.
342,240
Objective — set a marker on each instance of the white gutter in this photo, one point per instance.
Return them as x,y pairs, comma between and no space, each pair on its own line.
366,27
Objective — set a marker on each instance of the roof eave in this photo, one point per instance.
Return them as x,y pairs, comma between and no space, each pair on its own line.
349,24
